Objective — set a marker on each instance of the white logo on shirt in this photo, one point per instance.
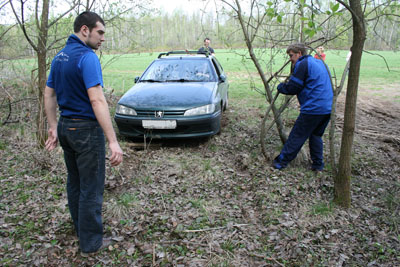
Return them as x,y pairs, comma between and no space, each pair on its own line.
62,57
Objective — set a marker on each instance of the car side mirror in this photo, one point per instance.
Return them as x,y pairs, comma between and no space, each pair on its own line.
137,79
222,78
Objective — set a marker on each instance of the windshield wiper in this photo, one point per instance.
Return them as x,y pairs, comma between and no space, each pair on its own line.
151,81
182,80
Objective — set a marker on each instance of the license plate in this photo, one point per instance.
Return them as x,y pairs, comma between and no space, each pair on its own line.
158,124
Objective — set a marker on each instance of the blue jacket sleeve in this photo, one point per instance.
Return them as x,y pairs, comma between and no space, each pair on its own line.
296,81
289,88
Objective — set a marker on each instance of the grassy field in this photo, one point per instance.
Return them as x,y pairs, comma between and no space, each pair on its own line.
120,70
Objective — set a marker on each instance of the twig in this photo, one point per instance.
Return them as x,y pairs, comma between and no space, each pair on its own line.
9,113
183,242
162,198
154,254
266,258
212,229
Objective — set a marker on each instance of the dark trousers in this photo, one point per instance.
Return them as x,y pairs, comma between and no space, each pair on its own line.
310,127
84,153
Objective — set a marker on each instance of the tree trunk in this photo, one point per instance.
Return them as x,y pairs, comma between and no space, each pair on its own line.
283,136
336,94
41,56
342,179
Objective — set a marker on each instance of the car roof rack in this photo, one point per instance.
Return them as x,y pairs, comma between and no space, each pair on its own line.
185,52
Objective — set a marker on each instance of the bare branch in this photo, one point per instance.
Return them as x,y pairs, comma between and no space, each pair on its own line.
37,14
348,8
21,23
7,30
4,4
384,59
74,4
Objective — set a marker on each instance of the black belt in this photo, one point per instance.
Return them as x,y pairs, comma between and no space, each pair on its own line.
77,119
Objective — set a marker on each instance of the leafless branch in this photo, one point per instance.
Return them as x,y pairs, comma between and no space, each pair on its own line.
21,23
74,4
7,30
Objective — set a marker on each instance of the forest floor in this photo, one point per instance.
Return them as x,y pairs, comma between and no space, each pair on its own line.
214,202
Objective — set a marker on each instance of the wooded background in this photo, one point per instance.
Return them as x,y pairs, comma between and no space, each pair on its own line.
144,28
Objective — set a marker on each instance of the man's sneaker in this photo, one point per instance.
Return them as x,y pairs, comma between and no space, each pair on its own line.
106,243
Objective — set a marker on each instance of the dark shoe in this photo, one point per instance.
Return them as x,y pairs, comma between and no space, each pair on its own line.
316,170
277,166
106,243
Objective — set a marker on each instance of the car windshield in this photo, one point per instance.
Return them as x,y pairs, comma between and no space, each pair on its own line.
179,71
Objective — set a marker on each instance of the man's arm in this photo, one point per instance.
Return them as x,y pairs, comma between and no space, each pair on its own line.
296,80
212,51
290,88
100,108
50,106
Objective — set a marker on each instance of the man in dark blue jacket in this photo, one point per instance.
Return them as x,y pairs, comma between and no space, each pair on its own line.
311,82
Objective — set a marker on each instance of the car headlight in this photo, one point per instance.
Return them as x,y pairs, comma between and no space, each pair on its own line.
207,109
123,110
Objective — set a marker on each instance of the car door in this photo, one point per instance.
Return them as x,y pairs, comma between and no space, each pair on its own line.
223,84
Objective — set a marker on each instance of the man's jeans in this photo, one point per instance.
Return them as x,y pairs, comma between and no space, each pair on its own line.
310,127
84,153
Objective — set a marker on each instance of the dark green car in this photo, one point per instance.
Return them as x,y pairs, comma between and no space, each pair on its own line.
181,94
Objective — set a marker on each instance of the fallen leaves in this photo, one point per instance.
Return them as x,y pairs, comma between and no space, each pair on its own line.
209,202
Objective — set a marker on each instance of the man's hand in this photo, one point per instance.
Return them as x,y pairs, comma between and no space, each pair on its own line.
52,140
116,154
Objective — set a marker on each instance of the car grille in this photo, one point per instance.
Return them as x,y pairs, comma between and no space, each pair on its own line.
166,113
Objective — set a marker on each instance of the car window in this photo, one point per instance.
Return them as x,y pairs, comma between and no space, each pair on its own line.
173,70
218,66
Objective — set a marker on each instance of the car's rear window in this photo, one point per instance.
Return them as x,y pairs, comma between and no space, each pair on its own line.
180,70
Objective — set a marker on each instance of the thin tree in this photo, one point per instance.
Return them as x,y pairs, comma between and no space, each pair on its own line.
41,47
342,195
251,27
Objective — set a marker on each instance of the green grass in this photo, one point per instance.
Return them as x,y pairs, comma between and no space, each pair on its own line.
322,208
120,70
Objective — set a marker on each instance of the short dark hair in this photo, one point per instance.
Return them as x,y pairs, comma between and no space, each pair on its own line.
205,39
87,18
296,48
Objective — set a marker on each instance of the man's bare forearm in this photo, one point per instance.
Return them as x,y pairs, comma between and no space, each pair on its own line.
50,106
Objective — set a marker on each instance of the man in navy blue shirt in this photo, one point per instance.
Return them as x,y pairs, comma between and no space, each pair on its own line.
206,47
311,82
75,84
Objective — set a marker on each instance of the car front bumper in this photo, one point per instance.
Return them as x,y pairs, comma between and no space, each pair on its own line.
186,127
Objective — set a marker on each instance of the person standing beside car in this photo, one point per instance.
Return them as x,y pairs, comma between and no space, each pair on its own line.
311,82
206,47
75,84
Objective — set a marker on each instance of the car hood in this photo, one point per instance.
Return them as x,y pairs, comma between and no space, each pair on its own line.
172,94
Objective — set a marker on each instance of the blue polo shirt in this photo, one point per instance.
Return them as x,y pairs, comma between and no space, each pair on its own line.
75,69
311,82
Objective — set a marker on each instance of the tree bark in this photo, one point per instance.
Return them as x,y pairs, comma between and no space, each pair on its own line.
342,194
41,133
